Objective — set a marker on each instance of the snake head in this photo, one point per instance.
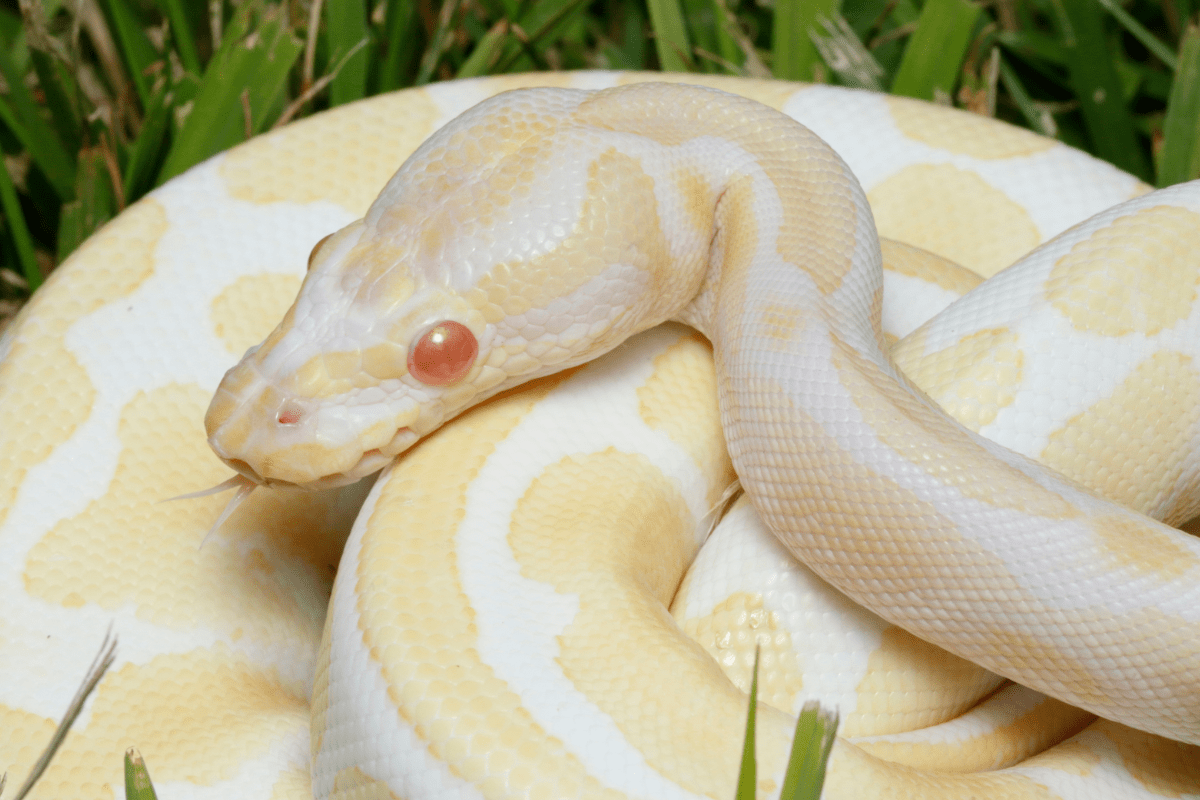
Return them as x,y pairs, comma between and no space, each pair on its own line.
368,359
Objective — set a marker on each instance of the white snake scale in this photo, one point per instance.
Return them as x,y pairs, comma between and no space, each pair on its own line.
499,626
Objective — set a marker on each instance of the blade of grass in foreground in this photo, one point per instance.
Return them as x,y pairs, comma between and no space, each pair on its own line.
748,776
812,744
934,55
100,665
137,779
1180,157
19,230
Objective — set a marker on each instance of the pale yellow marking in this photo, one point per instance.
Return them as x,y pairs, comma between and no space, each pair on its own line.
730,634
927,438
165,573
938,207
245,311
972,379
295,784
1127,543
1138,274
768,92
618,224
319,704
680,399
696,198
799,165
352,783
905,259
419,625
1108,446
1033,732
911,684
621,549
1163,767
965,134
1073,757
195,717
855,773
41,383
328,157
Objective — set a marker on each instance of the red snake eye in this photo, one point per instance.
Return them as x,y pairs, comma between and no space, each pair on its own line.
443,354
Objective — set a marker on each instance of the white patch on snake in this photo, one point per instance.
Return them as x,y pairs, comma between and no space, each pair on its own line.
922,300
594,410
833,637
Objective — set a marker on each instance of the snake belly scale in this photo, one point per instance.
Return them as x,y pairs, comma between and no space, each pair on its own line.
551,227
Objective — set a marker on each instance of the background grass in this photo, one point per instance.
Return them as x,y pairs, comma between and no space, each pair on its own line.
102,100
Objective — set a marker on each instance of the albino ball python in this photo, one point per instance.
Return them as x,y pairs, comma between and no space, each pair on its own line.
110,366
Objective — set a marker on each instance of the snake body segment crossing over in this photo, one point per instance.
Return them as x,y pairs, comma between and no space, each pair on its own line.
949,536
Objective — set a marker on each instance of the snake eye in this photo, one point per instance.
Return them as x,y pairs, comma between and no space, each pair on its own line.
443,354
316,247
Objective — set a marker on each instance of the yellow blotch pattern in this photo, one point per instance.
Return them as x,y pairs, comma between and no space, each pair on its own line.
769,93
293,785
345,156
1033,732
955,214
1162,766
730,634
245,310
621,547
1109,447
1131,544
1138,274
911,684
128,547
965,134
972,379
904,259
420,626
53,394
928,439
680,399
354,784
195,717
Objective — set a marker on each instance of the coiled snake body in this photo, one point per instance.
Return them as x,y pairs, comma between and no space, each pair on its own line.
486,635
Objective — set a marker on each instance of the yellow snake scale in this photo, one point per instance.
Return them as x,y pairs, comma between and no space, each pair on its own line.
534,601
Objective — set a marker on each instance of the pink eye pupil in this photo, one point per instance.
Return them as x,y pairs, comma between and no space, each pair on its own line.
444,354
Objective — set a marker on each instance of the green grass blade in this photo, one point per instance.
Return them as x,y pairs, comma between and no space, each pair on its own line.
345,27
21,113
845,54
53,81
934,55
181,34
486,52
747,783
95,202
1039,119
1139,32
1180,157
724,22
400,24
1098,88
670,35
135,47
19,230
145,151
45,150
255,66
433,53
812,744
137,779
100,665
794,54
